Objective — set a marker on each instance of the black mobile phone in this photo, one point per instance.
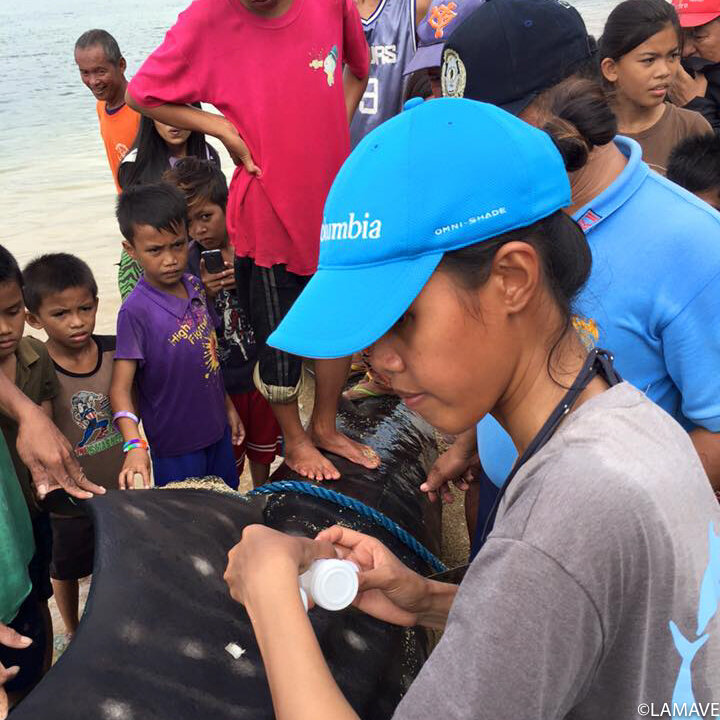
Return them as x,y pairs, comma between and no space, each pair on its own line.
214,262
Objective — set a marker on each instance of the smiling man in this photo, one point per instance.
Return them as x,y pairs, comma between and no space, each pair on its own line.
102,69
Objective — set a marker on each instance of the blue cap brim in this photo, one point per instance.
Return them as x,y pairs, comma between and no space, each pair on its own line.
345,310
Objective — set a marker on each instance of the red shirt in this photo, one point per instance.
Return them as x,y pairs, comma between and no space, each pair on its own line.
279,81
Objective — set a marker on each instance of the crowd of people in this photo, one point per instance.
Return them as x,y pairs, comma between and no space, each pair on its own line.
547,292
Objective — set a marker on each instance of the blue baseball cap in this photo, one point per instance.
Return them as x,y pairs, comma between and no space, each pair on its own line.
443,175
442,17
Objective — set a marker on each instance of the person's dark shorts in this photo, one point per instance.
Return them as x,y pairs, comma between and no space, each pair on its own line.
73,547
39,566
29,622
266,295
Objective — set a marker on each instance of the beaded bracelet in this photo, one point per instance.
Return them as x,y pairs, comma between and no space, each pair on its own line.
134,444
124,414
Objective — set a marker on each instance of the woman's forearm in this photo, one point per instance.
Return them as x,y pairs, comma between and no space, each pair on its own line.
439,600
300,680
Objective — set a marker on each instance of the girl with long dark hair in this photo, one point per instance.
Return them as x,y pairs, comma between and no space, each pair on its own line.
639,54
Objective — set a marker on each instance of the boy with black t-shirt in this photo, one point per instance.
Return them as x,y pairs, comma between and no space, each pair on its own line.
61,299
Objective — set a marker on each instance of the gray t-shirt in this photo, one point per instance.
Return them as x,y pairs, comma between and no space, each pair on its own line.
597,590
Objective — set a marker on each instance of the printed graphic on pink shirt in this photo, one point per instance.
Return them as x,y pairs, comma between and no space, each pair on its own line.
327,64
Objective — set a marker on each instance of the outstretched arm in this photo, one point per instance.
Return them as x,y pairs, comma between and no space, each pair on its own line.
188,117
42,447
263,574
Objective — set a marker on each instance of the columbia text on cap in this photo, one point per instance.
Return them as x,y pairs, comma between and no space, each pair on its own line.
387,224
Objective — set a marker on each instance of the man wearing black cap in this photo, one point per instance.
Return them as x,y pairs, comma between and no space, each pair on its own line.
508,51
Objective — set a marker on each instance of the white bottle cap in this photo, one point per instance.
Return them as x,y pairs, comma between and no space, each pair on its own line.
332,584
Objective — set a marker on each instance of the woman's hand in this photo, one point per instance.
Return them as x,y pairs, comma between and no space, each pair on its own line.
215,282
137,462
265,559
389,590
457,465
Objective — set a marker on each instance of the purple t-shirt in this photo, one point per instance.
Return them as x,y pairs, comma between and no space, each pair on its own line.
178,380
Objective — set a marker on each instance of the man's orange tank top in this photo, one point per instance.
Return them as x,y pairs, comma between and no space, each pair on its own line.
118,129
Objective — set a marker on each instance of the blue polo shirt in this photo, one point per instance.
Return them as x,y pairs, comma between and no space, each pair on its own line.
653,298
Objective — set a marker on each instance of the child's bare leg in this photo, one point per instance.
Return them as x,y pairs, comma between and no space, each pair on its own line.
301,455
259,472
67,599
330,376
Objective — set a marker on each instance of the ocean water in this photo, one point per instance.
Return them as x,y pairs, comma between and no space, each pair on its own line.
56,190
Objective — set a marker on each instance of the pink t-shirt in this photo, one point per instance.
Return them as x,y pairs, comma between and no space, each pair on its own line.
279,81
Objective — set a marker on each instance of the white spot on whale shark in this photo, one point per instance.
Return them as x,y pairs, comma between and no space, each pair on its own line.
116,710
202,565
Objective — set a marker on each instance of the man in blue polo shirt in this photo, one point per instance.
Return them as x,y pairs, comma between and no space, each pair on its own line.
653,298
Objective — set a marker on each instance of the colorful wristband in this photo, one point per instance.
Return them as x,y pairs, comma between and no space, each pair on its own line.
125,414
134,444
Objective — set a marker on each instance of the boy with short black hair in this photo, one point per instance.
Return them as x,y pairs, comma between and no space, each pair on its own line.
25,361
61,299
206,192
695,165
167,351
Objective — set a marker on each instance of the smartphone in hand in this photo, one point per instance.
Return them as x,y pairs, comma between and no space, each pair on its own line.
214,262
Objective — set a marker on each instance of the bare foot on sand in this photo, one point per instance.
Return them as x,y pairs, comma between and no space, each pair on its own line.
306,460
336,442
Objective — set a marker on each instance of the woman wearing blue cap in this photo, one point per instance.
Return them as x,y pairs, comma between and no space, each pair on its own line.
597,589
654,292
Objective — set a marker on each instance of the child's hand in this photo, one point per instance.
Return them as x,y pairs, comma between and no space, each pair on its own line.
236,425
137,462
239,151
213,283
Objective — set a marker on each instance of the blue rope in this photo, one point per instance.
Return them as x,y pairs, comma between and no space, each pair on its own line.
384,521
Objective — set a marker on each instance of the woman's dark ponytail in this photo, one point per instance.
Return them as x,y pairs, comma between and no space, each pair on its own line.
577,116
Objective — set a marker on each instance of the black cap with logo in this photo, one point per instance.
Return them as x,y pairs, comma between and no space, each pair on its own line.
506,52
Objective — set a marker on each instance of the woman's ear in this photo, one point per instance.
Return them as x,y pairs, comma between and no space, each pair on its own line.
608,67
516,274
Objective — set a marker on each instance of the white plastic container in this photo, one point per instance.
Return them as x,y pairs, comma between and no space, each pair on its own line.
332,584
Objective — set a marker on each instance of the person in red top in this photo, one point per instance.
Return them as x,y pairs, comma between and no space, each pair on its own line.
102,69
287,76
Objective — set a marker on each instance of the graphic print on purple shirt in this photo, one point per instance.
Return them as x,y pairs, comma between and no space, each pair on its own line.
179,384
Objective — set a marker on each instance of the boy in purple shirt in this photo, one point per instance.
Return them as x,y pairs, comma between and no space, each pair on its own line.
167,350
